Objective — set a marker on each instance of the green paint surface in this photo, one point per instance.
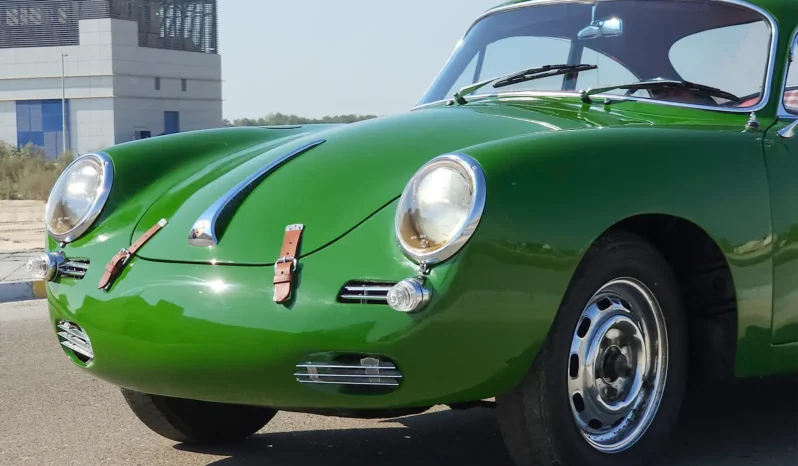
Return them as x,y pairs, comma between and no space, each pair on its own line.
200,322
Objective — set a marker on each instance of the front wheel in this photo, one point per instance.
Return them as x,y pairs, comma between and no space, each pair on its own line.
197,422
607,386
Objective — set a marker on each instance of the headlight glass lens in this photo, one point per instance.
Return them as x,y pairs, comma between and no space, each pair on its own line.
77,197
436,206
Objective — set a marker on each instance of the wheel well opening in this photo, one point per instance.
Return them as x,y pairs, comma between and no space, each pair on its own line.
707,290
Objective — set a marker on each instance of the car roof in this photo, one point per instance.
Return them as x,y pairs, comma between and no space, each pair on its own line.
786,11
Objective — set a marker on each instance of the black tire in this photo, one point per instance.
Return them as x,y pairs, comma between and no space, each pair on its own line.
536,418
197,422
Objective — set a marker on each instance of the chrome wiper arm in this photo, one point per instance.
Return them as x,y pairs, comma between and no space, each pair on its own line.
519,77
661,84
543,72
459,95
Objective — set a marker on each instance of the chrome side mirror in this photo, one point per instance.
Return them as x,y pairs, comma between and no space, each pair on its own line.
788,132
612,27
601,28
591,32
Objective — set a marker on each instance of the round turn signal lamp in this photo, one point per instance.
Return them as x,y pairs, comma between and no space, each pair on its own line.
45,266
409,295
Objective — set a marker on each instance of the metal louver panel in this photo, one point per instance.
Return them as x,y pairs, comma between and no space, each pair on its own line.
75,268
71,336
364,293
370,372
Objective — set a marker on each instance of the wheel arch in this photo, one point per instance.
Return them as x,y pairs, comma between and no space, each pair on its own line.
707,288
552,195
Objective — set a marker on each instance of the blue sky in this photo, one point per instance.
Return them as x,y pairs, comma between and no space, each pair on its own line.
322,57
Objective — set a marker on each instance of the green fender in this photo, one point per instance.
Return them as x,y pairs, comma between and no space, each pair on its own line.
551,195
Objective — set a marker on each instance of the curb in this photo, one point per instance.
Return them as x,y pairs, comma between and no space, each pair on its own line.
22,291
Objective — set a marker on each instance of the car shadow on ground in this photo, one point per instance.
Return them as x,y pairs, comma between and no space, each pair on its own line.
731,423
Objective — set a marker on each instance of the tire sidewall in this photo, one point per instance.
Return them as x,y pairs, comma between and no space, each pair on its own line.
628,259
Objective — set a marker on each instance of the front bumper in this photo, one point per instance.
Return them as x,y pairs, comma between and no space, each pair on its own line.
214,333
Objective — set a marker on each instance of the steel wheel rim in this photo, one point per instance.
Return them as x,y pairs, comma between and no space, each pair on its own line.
617,365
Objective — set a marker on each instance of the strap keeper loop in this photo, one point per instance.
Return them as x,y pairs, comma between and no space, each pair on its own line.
285,260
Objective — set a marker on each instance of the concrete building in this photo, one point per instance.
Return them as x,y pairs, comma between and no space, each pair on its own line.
132,69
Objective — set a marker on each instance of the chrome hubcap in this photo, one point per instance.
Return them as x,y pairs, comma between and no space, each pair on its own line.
617,365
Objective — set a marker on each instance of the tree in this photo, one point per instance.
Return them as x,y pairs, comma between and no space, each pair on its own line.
273,119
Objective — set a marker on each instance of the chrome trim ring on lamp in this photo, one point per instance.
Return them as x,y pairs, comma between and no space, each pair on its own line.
96,207
466,230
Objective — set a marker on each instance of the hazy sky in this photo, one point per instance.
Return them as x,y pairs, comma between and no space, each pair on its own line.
323,57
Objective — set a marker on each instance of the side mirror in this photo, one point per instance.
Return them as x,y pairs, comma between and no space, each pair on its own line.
612,27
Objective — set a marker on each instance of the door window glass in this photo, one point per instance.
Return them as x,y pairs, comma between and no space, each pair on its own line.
791,93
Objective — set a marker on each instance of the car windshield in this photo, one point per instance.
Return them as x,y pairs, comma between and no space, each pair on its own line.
708,42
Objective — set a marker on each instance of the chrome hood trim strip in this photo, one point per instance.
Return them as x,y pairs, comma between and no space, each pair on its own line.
203,232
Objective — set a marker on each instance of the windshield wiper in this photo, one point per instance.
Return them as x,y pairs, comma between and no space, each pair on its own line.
520,77
662,84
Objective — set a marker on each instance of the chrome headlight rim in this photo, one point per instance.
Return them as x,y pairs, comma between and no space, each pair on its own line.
476,175
96,207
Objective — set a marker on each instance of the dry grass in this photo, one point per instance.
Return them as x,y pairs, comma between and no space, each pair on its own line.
25,174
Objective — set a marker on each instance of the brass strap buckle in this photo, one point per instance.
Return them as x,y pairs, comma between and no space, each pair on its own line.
289,252
285,260
126,257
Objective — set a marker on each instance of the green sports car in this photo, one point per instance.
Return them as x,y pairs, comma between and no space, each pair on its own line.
594,204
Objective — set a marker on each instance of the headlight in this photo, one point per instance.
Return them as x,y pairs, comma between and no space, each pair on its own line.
440,208
78,196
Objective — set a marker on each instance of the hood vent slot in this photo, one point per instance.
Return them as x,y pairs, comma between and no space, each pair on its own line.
361,292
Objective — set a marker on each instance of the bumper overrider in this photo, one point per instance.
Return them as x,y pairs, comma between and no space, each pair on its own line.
366,327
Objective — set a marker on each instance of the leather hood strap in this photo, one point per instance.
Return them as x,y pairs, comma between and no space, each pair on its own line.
285,267
120,259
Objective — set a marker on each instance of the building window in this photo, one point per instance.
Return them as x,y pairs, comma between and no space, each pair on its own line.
184,84
157,84
171,122
40,123
189,25
143,134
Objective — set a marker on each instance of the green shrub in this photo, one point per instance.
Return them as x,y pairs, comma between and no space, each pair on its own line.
282,119
26,174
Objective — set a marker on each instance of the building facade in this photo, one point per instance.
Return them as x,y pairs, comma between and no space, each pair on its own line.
130,69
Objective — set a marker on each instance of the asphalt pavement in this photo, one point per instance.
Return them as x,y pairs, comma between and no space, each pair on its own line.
53,414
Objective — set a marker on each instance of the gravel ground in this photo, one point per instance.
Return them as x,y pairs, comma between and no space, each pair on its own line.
53,414
21,226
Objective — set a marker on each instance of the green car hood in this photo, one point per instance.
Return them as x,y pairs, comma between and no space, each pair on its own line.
338,184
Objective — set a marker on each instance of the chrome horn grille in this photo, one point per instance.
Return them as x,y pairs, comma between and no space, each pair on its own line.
365,293
370,372
74,268
72,337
